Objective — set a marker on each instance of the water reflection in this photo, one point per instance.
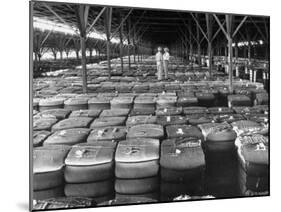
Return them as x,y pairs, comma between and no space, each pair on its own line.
222,176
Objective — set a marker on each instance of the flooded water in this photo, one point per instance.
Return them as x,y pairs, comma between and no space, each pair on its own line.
222,177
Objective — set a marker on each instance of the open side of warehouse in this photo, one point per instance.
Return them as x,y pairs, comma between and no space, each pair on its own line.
191,36
139,105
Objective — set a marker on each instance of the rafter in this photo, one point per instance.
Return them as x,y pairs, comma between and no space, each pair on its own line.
239,26
123,20
197,23
95,20
221,26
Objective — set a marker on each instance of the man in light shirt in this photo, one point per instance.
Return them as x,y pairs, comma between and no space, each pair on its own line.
159,63
166,57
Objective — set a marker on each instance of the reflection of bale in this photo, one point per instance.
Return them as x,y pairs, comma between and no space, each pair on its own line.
153,195
94,189
48,180
136,186
252,185
48,193
171,175
171,190
221,176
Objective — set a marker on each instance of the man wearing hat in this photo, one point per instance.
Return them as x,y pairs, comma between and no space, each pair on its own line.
166,57
159,63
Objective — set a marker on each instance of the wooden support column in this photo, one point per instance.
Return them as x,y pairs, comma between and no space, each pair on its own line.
82,12
121,42
225,52
249,46
198,44
108,18
266,42
209,22
134,43
138,53
129,41
187,50
229,20
236,50
190,44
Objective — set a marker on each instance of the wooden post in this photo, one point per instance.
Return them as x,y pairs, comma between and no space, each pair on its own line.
134,43
245,51
84,67
230,50
190,45
121,42
209,22
81,12
198,43
236,50
108,16
225,52
129,41
249,46
187,50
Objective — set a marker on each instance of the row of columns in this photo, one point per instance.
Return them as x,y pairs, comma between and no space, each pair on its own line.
195,40
135,44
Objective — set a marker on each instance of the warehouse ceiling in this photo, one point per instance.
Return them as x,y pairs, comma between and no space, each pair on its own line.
157,26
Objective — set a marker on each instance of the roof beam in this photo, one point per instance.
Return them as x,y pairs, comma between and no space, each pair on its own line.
186,25
197,23
95,21
123,20
59,17
258,28
221,26
239,26
217,32
46,37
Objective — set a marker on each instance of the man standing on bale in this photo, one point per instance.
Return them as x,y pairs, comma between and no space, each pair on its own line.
159,63
166,57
